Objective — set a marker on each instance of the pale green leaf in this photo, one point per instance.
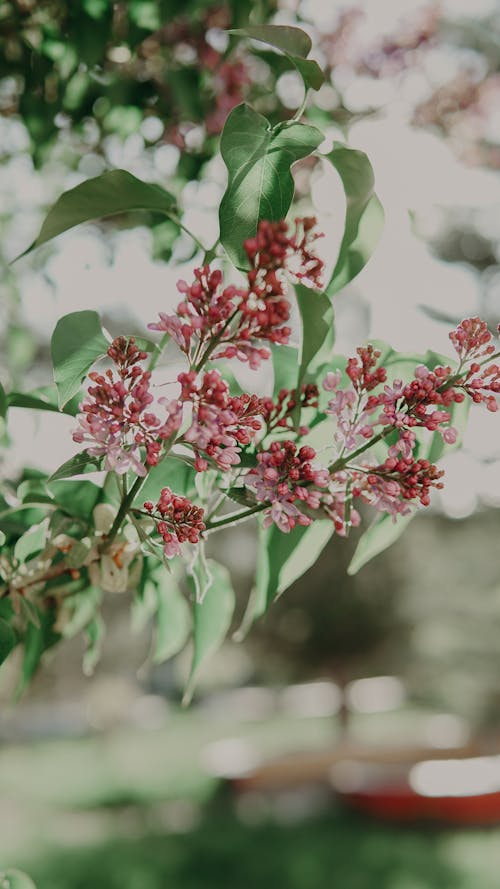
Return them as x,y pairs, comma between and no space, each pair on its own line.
364,215
173,619
211,619
15,879
383,532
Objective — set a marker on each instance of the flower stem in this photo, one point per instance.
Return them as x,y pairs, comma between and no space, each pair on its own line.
123,510
236,517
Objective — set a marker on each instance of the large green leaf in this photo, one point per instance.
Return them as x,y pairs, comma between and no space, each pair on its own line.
285,363
260,184
8,640
211,621
115,191
172,473
31,542
77,342
293,42
364,218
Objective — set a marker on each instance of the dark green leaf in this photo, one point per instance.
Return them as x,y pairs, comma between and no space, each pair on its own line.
290,40
36,641
364,215
77,342
260,184
77,465
310,72
8,641
3,402
115,191
212,619
383,532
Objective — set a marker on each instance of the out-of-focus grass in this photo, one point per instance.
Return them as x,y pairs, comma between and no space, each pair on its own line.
134,809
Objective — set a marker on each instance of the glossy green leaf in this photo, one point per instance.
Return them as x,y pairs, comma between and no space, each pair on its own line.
77,342
115,191
260,184
364,219
77,465
15,879
211,621
294,42
173,618
383,532
8,641
288,39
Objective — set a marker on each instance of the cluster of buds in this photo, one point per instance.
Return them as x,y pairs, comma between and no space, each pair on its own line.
177,521
220,423
286,479
235,322
279,413
115,421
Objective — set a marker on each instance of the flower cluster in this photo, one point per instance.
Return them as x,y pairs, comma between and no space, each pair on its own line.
177,521
220,423
279,413
286,479
234,322
115,421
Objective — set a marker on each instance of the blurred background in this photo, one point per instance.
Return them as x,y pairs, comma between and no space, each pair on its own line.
349,681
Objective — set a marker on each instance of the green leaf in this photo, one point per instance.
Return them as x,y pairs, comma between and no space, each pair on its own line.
282,559
77,465
285,363
381,534
31,542
173,618
42,399
364,219
211,619
15,879
3,402
293,42
173,473
8,641
77,342
77,498
199,571
115,191
260,184
289,40
94,634
2,538
318,331
37,640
